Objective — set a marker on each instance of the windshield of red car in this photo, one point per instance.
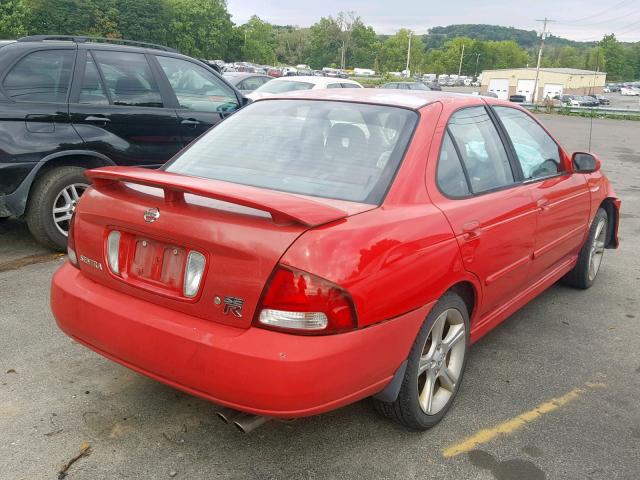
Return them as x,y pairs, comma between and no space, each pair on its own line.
340,150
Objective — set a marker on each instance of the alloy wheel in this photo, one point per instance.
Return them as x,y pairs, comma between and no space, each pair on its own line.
65,204
597,248
441,362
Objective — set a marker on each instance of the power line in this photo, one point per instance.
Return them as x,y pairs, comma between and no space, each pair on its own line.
619,4
600,22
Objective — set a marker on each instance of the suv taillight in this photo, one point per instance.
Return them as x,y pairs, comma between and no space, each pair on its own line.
299,302
71,243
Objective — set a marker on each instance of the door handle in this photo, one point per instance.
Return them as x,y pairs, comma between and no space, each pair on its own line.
191,122
97,119
543,204
471,230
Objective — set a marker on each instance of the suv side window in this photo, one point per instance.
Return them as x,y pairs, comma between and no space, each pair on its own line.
92,90
537,153
41,76
450,175
484,156
129,79
196,88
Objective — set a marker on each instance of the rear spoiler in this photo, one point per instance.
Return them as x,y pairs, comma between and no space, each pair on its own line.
283,207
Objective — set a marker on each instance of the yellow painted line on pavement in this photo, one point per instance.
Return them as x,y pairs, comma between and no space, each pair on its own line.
510,426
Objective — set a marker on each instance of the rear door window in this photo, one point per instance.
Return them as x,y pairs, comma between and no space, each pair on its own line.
41,76
196,88
482,150
450,175
128,78
92,90
537,153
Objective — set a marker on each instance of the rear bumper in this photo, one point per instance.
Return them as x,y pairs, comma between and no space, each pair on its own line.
253,370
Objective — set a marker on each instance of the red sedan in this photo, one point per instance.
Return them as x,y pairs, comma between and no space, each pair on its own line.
326,246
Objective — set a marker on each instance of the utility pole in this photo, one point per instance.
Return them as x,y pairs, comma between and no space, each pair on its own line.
407,73
475,75
544,36
460,67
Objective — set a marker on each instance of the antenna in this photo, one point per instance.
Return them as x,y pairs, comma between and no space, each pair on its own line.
593,83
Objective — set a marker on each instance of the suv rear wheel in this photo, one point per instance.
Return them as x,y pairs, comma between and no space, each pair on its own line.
52,201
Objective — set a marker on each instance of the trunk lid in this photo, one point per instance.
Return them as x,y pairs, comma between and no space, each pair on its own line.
241,231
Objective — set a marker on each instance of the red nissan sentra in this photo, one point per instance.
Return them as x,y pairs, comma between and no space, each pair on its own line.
326,246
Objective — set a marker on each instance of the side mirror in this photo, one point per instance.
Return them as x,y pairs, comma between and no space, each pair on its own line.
245,101
584,162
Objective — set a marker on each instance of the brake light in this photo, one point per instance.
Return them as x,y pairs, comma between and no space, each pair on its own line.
71,243
299,302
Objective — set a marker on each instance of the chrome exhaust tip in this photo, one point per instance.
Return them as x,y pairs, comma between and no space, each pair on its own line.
227,415
246,422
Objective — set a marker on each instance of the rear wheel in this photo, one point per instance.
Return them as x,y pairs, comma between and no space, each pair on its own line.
590,259
435,367
52,201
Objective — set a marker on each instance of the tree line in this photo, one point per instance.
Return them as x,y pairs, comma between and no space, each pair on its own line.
203,29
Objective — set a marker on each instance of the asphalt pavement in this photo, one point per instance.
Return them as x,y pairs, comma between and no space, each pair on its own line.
552,393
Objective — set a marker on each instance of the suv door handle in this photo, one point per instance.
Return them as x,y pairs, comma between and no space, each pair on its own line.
97,119
191,122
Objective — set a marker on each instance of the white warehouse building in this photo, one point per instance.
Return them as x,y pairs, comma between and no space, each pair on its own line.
551,82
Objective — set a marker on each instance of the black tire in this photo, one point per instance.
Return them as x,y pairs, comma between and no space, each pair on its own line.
41,201
580,276
406,409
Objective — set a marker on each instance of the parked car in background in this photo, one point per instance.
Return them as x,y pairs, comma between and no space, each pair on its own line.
406,86
489,94
331,245
568,100
588,101
601,99
517,98
69,103
246,82
630,91
289,84
433,86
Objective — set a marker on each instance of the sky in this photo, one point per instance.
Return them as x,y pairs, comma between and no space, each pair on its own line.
580,20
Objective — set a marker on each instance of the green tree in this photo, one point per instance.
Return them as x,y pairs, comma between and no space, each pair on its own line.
259,41
614,58
72,17
200,28
143,20
292,45
365,46
393,52
325,44
13,19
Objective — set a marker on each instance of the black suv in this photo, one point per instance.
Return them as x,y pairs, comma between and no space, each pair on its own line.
72,103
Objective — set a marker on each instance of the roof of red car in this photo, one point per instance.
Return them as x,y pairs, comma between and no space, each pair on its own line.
381,96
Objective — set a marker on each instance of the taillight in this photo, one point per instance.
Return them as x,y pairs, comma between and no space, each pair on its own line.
299,302
71,243
193,273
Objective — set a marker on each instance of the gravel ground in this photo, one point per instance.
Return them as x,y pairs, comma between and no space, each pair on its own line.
55,394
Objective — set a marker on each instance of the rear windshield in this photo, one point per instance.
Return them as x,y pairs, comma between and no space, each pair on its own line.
340,150
282,86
